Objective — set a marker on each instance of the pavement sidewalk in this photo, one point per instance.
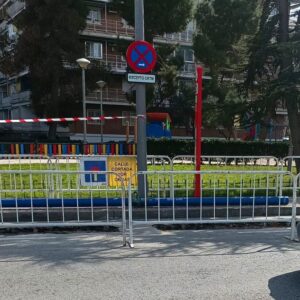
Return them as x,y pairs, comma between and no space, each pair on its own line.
206,264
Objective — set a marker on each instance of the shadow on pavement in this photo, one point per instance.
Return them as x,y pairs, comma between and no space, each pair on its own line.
88,247
286,286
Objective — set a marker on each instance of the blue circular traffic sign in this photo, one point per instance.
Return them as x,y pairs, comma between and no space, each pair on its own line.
141,57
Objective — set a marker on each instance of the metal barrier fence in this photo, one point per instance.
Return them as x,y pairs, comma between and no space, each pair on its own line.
227,161
226,197
289,163
24,162
41,191
155,162
60,199
67,162
72,162
295,217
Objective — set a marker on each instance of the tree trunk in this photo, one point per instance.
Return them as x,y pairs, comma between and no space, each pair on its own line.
292,105
294,123
54,105
52,131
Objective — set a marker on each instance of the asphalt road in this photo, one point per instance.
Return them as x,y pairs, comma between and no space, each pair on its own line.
219,264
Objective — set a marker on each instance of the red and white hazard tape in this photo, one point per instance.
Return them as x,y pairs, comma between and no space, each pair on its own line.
76,119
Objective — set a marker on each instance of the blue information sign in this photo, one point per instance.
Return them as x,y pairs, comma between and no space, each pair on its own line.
91,166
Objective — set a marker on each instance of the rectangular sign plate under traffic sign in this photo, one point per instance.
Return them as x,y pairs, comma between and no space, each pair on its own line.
141,78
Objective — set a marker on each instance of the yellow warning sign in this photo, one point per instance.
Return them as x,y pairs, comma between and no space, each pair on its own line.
125,167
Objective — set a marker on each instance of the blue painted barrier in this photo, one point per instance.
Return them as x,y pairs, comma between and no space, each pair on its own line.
65,149
22,150
99,202
78,150
121,149
26,203
221,201
108,149
50,152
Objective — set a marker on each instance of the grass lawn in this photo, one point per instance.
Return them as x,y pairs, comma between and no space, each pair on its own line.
213,184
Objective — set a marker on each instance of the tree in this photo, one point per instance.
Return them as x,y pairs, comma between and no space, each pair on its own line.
167,68
182,107
275,59
224,115
162,17
167,16
223,27
49,46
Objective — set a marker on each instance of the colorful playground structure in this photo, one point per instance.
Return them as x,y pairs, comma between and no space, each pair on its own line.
159,125
120,148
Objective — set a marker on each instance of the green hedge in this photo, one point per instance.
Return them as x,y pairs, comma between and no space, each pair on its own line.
218,147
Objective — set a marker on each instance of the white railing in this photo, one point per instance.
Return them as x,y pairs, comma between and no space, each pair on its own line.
109,96
32,198
295,224
290,162
41,191
116,63
265,162
111,27
225,197
185,36
119,27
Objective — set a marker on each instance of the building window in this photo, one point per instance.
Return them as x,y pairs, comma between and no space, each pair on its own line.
189,56
94,113
191,26
94,50
5,114
94,15
13,89
129,117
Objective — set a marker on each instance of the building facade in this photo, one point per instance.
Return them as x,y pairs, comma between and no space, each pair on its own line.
105,31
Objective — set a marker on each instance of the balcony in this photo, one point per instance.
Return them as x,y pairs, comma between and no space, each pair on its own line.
116,63
110,96
281,108
16,99
119,29
16,7
185,37
111,28
188,70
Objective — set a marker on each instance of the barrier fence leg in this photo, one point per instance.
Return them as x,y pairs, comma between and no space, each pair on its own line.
294,234
123,216
130,224
172,193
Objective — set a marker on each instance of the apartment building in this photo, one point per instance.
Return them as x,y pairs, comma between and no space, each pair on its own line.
104,32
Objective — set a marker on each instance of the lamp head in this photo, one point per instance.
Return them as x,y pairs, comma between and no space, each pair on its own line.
101,84
83,63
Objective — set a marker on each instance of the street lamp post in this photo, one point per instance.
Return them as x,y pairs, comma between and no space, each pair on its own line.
101,85
83,63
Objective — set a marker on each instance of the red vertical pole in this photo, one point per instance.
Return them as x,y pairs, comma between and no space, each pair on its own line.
198,129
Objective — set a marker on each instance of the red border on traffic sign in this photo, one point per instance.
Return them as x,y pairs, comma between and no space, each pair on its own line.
133,47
